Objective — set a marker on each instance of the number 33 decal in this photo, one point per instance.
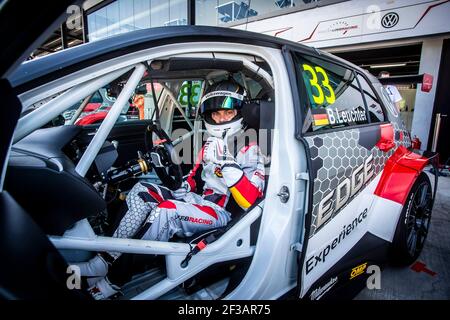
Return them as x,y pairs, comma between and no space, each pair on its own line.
331,98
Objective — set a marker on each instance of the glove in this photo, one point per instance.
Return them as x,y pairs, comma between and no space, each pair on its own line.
96,267
182,191
103,289
216,151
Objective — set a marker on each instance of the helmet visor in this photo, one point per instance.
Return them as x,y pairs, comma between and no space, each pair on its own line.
221,100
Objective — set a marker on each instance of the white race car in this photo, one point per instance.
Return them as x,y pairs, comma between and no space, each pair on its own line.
344,189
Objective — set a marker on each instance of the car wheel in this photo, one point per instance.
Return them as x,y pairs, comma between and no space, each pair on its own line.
414,222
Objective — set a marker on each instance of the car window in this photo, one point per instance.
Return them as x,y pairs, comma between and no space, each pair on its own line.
376,112
387,101
332,95
139,107
189,97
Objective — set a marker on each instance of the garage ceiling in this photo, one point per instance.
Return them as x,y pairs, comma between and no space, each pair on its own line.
54,42
398,61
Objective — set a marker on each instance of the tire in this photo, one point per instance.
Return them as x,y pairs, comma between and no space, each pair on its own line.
414,222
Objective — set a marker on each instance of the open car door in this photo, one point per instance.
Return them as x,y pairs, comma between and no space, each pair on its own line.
31,266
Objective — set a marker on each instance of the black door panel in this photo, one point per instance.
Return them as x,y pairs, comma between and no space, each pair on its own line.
31,266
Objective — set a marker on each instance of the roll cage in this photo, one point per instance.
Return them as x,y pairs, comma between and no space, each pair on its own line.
57,97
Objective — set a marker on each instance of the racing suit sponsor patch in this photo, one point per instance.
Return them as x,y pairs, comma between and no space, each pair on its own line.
195,220
218,172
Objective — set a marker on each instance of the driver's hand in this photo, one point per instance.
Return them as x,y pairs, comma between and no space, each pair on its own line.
216,151
181,192
209,152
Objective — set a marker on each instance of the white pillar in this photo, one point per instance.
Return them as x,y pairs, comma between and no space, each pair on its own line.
423,112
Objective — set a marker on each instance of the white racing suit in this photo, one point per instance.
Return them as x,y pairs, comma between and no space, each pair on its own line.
156,205
153,209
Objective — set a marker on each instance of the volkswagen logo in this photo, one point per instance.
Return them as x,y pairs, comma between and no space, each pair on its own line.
389,20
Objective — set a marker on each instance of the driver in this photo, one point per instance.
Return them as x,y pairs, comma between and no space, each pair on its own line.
229,168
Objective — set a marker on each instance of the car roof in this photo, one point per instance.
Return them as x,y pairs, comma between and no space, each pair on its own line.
38,71
371,77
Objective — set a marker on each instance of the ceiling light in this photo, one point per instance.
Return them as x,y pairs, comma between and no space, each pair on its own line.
387,65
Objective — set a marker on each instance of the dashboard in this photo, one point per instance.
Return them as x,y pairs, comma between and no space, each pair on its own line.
41,176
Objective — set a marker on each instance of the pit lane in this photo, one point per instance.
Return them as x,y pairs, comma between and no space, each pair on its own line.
429,277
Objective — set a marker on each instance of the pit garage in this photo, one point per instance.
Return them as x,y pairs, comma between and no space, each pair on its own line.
397,61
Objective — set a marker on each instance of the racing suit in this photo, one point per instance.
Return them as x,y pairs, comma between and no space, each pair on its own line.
165,215
157,213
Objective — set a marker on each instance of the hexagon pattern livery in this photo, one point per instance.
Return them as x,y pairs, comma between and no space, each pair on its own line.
335,155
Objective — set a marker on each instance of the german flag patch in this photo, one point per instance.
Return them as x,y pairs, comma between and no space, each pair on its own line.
218,172
320,117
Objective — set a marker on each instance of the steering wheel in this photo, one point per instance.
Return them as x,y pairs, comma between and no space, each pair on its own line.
165,160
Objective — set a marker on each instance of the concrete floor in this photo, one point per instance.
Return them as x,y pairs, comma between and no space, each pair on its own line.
406,284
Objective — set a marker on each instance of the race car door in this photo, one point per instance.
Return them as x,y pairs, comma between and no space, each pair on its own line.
341,134
31,266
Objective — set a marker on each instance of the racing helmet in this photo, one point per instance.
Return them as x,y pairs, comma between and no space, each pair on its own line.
224,95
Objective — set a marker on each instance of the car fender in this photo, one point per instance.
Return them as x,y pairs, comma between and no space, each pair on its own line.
400,172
